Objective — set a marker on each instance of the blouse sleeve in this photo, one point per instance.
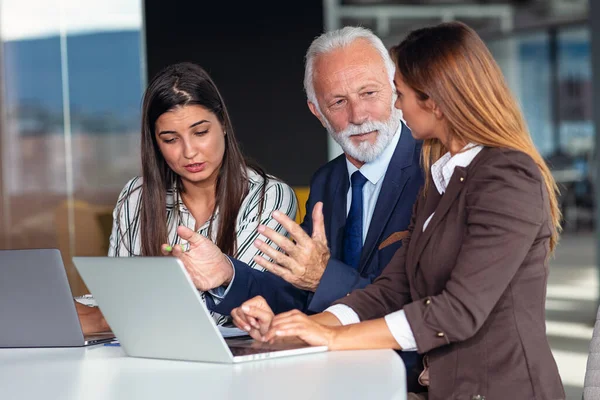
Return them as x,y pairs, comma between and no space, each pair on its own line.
124,236
278,196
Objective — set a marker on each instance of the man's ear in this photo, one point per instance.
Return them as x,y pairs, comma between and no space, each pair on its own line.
316,113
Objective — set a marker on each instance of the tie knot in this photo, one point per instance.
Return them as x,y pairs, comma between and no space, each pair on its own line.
358,179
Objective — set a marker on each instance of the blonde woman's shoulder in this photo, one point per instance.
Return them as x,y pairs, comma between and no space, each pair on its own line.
504,158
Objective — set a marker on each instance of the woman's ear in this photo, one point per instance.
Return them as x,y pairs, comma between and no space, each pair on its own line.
434,108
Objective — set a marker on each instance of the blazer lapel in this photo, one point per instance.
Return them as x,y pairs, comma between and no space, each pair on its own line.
431,202
392,187
452,191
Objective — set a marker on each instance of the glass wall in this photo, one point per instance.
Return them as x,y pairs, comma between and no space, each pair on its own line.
550,73
72,79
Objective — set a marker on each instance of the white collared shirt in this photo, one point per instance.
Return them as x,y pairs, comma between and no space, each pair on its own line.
442,169
441,172
374,171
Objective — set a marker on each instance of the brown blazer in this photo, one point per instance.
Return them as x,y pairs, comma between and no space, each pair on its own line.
473,285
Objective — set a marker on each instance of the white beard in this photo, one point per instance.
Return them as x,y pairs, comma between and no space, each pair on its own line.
365,151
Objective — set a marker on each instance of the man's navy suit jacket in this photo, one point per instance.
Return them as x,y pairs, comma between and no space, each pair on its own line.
330,184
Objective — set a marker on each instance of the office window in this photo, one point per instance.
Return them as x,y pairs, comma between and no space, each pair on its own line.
72,79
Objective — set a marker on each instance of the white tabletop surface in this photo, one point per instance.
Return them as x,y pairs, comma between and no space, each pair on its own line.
103,372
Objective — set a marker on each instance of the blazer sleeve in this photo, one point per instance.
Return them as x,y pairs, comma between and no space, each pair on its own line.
338,280
389,291
505,210
249,282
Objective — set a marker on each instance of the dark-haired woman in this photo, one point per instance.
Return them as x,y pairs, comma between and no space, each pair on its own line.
195,184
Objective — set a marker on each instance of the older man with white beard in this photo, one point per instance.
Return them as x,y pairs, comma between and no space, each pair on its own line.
361,202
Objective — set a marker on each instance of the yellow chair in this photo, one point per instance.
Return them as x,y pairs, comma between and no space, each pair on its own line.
302,196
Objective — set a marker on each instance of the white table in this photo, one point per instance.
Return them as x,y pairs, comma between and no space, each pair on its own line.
103,372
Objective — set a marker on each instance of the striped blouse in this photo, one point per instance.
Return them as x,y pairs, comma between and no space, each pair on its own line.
125,236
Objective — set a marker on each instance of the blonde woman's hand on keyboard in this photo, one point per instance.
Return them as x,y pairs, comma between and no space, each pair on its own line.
253,316
295,324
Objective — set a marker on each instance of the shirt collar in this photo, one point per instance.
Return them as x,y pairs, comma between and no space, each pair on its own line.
174,200
376,169
442,169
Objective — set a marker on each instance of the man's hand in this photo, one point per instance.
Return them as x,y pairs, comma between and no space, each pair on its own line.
253,316
91,319
304,261
205,263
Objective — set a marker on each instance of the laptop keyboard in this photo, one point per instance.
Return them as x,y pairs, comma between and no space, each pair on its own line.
247,351
98,338
246,347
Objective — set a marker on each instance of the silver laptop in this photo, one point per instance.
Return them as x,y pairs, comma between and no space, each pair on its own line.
36,304
155,311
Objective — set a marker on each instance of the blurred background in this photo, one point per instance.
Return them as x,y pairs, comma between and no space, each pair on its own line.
72,73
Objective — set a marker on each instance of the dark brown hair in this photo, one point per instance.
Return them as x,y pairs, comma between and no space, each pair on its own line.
450,64
179,85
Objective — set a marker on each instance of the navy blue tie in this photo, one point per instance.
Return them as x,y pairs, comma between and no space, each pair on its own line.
353,231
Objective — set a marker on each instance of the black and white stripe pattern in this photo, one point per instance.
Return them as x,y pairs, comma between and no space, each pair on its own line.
125,236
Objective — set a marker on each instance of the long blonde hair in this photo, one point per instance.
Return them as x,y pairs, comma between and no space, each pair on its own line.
450,64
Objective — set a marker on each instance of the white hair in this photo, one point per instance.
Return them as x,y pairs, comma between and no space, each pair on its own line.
340,38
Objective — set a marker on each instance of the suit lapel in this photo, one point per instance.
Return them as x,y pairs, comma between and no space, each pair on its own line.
392,187
338,206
